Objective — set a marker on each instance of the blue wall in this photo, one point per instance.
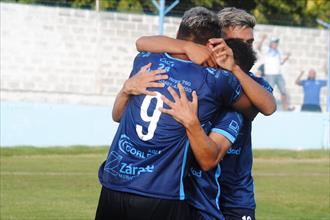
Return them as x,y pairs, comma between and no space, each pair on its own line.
53,125
50,125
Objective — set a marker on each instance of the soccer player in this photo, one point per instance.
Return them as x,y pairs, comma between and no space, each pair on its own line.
202,187
143,175
237,195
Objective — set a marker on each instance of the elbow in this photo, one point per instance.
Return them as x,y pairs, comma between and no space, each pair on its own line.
208,166
139,43
115,117
270,110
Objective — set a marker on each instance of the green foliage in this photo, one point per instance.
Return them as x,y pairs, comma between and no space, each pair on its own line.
83,3
281,12
129,6
289,12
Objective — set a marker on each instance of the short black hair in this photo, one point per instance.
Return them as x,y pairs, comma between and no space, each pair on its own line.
244,55
199,25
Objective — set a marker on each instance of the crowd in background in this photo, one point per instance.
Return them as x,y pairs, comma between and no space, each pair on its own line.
270,61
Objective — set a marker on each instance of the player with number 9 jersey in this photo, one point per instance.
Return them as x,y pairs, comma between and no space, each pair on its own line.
149,155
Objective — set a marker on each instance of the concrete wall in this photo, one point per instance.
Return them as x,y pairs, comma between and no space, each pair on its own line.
70,56
61,69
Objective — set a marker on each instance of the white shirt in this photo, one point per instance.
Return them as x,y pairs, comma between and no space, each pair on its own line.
272,61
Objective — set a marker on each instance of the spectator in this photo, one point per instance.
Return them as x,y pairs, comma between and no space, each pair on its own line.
273,60
312,88
260,72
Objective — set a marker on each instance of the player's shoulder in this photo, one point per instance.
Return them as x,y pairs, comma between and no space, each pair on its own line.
261,81
322,81
221,75
144,54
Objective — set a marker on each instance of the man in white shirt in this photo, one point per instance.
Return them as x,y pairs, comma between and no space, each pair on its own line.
273,60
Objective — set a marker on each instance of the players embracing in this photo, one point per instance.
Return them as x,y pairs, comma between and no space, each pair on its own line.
176,124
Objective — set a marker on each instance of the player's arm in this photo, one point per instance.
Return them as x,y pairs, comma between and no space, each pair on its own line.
208,150
137,85
259,99
197,53
298,80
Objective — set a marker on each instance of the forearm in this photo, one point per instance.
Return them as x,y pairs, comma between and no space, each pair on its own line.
299,78
263,100
284,60
259,46
161,44
205,150
120,104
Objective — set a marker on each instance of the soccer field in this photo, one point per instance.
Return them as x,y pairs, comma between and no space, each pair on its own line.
61,183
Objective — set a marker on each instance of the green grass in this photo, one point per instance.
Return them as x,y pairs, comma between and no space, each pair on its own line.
61,183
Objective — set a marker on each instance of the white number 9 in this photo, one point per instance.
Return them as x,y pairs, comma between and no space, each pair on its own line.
152,119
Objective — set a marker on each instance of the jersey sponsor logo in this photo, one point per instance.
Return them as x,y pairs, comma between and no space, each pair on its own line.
233,151
113,163
196,172
167,62
117,168
128,169
234,126
127,147
174,84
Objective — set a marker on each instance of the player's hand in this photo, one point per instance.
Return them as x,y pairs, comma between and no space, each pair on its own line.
182,110
138,84
199,54
223,54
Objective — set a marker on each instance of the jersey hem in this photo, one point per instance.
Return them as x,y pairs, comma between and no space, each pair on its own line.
136,192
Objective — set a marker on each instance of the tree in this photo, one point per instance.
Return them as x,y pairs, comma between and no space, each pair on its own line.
280,12
291,12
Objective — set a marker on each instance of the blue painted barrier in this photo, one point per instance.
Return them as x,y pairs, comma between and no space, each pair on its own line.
63,125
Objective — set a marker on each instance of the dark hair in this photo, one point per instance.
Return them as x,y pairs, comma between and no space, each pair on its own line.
244,55
199,25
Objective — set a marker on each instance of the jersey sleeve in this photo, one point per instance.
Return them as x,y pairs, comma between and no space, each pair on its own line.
302,82
323,82
228,88
140,60
261,81
228,124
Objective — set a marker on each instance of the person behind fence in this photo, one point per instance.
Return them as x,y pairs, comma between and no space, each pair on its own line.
273,60
312,88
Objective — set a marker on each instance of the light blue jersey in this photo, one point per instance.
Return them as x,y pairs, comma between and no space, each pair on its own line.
149,154
312,90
